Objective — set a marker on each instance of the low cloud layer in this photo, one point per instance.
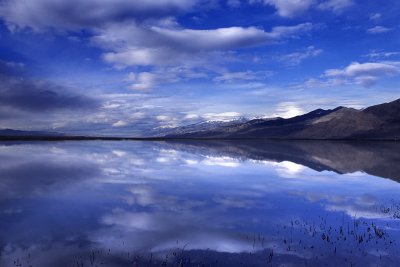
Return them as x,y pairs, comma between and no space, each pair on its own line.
36,102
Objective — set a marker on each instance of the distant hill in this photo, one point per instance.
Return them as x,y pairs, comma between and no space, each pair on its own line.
11,132
374,123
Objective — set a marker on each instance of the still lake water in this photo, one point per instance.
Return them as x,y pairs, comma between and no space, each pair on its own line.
128,203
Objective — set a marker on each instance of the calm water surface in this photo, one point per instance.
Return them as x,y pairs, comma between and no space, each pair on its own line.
97,203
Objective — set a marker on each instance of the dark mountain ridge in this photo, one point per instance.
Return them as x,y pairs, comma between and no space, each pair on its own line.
379,122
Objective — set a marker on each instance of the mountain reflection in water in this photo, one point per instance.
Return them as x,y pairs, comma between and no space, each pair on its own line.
209,203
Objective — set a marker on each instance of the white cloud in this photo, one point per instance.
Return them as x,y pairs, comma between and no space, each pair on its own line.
280,32
167,121
215,39
296,58
224,116
137,115
191,116
288,169
379,54
288,110
119,153
149,80
378,29
365,74
138,110
141,81
174,55
336,6
230,77
221,161
134,45
135,56
356,69
315,83
120,124
289,8
295,8
233,3
163,118
375,16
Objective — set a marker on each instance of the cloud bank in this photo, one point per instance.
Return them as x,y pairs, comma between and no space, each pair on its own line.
146,34
39,96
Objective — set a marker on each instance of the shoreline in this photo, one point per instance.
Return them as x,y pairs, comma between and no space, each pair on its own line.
116,138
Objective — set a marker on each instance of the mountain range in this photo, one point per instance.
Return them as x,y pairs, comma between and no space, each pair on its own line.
379,122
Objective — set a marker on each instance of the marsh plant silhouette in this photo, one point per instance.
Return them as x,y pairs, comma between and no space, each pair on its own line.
330,240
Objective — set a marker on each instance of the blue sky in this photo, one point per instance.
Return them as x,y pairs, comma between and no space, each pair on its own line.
127,67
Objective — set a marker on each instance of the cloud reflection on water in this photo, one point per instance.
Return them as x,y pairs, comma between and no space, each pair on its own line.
61,200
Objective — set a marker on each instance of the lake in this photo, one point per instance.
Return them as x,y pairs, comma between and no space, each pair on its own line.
199,203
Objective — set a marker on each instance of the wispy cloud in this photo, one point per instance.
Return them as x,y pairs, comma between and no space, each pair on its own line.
375,16
289,8
336,6
295,58
381,54
365,74
295,8
241,76
233,3
378,30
